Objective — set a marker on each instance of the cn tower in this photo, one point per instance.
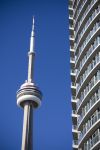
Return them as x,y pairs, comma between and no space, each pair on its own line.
29,97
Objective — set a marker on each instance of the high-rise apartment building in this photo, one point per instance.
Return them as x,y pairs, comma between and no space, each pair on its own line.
84,27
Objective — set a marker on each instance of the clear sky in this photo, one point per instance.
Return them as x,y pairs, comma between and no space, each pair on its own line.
52,121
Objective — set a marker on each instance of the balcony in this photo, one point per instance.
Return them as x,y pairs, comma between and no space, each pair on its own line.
75,132
88,45
90,84
91,51
88,37
89,8
71,28
72,48
92,19
74,102
76,5
74,113
73,74
88,109
81,41
93,143
70,17
90,128
74,116
70,7
72,62
75,144
74,127
71,37
73,71
73,85
86,93
73,88
94,65
72,51
80,10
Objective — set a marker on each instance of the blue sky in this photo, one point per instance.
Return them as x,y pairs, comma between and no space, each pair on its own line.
52,121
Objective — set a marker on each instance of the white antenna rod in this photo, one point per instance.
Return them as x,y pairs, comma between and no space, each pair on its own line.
31,55
32,38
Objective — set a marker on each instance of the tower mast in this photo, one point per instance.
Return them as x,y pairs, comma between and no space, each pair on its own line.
31,55
29,97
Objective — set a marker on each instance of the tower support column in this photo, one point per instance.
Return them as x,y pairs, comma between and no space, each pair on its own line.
27,127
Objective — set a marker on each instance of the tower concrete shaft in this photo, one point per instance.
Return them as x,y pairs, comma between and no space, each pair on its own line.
30,66
29,97
27,127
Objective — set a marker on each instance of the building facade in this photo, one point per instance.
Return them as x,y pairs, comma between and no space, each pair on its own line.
84,27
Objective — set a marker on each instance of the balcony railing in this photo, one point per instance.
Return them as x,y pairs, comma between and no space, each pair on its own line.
72,58
86,42
76,11
73,84
71,47
91,18
70,6
71,26
90,67
71,37
75,142
73,97
86,91
74,112
80,9
91,122
74,127
92,48
70,16
93,100
85,14
73,71
92,142
92,82
94,29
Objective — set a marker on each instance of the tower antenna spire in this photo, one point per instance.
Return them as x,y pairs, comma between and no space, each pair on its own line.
29,97
31,55
32,37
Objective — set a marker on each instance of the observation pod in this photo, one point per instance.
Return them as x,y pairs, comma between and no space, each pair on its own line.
29,93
